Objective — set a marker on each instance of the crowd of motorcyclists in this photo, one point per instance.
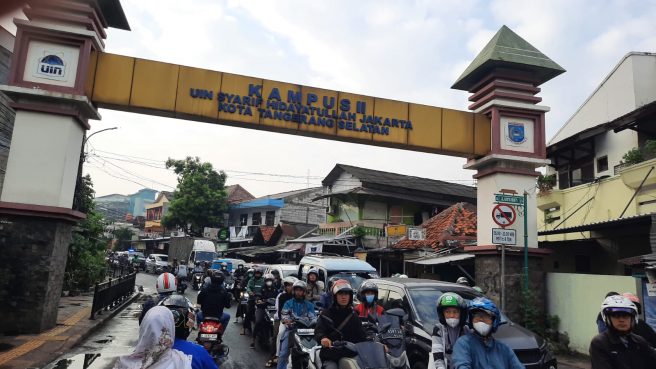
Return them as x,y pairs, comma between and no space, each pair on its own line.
462,337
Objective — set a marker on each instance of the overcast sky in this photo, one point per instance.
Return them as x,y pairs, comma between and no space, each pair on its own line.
404,50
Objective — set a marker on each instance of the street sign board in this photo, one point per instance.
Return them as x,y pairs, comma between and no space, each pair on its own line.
508,199
504,215
502,236
416,233
396,230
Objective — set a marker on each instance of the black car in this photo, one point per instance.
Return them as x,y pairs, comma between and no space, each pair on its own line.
419,296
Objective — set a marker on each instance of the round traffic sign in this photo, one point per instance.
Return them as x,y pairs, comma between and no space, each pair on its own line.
504,215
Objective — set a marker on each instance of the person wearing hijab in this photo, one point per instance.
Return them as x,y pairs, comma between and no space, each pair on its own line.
154,348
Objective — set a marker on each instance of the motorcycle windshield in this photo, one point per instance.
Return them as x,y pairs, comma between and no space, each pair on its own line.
371,355
393,336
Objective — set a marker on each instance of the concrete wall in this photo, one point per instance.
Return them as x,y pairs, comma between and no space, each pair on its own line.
6,114
576,300
345,181
301,209
614,145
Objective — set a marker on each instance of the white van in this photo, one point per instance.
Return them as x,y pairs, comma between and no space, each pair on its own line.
202,251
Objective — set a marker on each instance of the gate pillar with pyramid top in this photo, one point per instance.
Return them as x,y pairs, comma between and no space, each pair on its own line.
503,80
49,86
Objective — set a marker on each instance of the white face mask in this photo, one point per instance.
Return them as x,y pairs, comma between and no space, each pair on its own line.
268,283
452,322
482,328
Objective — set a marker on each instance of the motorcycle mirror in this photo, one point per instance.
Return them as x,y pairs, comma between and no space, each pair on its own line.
396,312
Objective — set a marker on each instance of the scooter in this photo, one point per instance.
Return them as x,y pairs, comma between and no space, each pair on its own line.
197,281
182,287
305,349
242,308
368,354
265,336
210,336
392,335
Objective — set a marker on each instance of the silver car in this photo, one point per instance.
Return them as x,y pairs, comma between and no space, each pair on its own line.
157,263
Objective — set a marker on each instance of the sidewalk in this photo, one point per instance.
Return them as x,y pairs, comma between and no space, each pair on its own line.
73,326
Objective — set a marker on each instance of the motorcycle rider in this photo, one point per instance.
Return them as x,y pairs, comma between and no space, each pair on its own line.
368,295
267,292
641,328
213,299
315,286
253,287
346,321
183,317
277,282
618,347
240,272
452,317
480,350
181,272
463,281
224,269
278,329
326,299
295,308
165,286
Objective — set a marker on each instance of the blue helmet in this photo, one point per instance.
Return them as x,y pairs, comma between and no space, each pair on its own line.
486,305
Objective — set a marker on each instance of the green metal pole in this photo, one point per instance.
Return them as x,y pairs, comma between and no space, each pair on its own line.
525,241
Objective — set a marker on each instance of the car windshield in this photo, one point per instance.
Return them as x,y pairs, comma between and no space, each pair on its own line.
138,254
355,279
424,298
289,272
205,256
162,258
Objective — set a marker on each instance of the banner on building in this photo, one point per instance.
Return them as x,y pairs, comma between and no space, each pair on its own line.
313,248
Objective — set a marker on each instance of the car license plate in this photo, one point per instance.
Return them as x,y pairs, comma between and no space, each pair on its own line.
209,336
305,332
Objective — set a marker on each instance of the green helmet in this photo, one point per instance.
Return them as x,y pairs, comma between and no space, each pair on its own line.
451,299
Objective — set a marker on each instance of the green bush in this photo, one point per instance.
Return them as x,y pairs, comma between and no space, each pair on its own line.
633,156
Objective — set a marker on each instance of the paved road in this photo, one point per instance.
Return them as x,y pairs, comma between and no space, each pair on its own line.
120,334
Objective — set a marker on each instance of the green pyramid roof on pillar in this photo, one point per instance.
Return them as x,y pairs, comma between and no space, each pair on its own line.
508,50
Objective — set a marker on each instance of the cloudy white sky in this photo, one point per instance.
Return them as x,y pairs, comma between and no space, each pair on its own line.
404,50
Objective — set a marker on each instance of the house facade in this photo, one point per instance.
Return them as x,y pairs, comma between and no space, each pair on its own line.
154,214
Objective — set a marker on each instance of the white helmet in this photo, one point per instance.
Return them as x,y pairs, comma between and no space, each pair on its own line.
617,303
166,283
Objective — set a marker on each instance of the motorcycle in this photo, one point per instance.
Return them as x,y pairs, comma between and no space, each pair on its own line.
265,336
305,349
210,336
367,355
229,283
197,281
242,308
392,335
182,287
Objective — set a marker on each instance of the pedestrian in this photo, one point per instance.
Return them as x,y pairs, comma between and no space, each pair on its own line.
154,348
184,319
480,350
601,326
346,321
452,317
618,347
641,328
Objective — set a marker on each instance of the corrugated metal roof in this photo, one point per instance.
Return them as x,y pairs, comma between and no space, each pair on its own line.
640,219
442,259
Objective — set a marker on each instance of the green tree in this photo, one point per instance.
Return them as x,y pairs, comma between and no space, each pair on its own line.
86,254
200,198
123,237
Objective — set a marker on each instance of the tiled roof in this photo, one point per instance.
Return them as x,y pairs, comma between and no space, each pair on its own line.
457,223
370,177
237,193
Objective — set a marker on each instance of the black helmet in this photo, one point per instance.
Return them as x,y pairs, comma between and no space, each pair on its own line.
368,286
197,263
258,270
275,273
224,265
180,309
217,277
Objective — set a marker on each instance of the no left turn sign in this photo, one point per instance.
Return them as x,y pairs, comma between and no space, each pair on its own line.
504,215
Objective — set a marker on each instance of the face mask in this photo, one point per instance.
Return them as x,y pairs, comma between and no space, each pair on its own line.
452,322
482,328
370,298
268,283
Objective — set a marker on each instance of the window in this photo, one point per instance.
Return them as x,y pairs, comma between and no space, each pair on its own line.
394,300
243,219
257,219
270,218
582,264
602,164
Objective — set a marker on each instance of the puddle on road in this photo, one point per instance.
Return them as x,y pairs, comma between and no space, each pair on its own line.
105,341
6,346
81,361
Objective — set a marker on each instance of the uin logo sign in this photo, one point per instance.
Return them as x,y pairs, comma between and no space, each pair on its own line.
52,66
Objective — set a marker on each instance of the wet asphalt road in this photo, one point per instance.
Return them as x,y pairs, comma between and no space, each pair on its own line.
119,336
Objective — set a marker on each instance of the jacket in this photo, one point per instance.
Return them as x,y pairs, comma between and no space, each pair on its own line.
267,293
364,312
213,299
442,347
297,309
471,352
643,330
200,359
314,291
326,300
255,285
351,332
608,352
282,298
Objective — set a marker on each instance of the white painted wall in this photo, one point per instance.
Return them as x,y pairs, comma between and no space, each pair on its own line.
614,145
346,181
43,160
576,299
487,187
629,86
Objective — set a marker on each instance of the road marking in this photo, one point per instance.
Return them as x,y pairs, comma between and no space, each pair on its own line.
20,351
77,317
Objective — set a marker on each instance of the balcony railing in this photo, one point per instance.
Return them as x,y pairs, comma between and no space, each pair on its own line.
242,233
334,229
